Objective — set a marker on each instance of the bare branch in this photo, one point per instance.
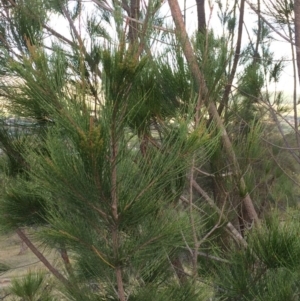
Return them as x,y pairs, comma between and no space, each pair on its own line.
227,90
212,204
268,23
100,4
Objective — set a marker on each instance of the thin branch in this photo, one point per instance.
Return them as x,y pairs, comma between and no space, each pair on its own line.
42,258
275,118
268,23
227,174
294,82
212,204
58,35
214,228
283,170
114,200
282,134
185,200
280,147
258,35
89,246
144,30
191,217
213,257
81,44
100,4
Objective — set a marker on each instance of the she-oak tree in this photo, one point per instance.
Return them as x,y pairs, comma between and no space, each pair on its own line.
137,161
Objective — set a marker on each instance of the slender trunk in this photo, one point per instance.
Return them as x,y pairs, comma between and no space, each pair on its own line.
258,38
282,35
297,33
201,86
192,221
201,16
118,269
227,90
133,26
143,35
184,12
297,41
114,206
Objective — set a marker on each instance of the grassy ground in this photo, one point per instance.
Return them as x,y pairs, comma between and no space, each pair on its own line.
19,265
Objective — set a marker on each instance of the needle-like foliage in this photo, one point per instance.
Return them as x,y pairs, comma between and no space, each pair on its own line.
110,203
142,158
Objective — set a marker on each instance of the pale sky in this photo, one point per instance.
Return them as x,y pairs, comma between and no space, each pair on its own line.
280,47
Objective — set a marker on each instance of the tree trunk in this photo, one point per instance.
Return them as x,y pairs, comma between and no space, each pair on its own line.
133,26
201,16
203,91
297,33
227,90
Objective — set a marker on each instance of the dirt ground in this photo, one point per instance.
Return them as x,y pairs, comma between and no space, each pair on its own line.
19,264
